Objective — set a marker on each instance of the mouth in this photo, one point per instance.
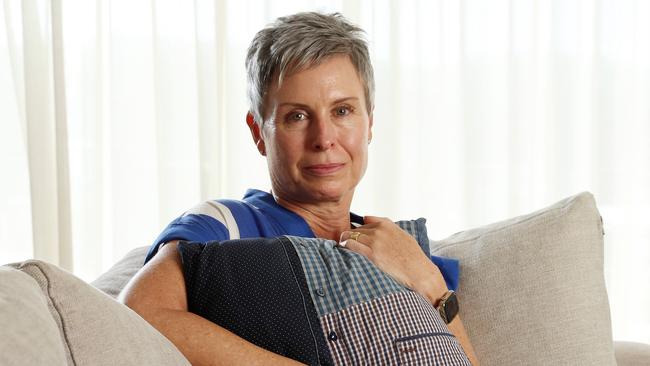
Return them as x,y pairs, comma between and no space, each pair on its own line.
323,169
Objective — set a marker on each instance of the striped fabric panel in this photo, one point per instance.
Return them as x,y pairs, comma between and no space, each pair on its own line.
219,212
398,329
339,278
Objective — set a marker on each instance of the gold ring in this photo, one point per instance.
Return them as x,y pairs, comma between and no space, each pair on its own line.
355,235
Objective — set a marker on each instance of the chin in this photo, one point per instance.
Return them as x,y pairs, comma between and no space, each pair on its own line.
329,192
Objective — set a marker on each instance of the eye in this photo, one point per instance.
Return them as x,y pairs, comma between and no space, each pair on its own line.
297,116
343,111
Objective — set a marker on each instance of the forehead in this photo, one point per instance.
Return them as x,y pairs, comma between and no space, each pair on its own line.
334,77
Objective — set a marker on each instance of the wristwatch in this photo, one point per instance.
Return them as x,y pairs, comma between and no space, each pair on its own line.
448,306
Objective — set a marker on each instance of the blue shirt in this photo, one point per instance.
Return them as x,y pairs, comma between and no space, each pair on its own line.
257,215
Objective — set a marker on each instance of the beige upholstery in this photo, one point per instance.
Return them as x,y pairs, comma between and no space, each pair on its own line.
28,334
96,329
532,290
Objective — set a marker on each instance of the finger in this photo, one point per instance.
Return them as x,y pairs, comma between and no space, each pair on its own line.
356,247
365,235
368,226
374,219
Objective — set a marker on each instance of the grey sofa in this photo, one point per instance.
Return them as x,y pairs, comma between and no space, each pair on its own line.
532,292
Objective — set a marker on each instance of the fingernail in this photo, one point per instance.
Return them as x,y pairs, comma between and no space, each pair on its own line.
343,243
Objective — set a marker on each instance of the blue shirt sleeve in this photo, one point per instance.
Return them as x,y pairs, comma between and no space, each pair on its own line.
191,227
450,269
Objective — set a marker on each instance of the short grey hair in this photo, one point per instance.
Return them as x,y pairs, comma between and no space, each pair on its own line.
300,41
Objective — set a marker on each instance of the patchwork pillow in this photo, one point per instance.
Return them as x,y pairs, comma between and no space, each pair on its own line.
315,302
532,289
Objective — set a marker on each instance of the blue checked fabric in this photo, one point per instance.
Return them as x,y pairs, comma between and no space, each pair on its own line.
339,278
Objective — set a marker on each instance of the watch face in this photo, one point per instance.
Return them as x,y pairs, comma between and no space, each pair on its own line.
451,307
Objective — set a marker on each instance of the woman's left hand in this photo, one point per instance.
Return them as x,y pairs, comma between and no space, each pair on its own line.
397,253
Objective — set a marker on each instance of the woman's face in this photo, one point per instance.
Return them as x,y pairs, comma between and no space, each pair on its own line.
316,133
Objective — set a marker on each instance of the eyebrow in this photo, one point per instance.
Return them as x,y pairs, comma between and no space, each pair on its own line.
337,101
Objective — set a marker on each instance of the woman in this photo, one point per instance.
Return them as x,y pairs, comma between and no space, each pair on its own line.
311,101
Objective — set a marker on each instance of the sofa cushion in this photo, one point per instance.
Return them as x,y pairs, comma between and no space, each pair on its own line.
115,279
97,329
29,334
532,289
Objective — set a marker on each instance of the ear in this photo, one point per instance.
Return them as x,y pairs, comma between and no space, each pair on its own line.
256,133
370,129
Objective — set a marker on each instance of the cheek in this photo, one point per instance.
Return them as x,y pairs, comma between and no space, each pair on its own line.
285,152
356,142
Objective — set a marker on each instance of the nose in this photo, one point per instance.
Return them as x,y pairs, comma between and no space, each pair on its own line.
323,134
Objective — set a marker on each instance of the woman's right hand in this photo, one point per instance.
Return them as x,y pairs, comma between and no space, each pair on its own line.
397,253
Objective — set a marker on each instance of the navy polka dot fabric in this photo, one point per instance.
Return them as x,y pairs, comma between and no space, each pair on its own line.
256,288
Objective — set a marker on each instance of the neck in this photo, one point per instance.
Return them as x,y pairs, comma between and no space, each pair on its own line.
326,219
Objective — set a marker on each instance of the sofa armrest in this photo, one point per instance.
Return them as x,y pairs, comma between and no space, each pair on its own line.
631,353
94,328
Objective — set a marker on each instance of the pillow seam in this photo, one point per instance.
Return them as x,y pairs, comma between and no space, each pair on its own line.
55,306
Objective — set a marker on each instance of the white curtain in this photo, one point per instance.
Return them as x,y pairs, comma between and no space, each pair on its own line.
116,116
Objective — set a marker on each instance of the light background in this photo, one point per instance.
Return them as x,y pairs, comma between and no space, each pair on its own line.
116,116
